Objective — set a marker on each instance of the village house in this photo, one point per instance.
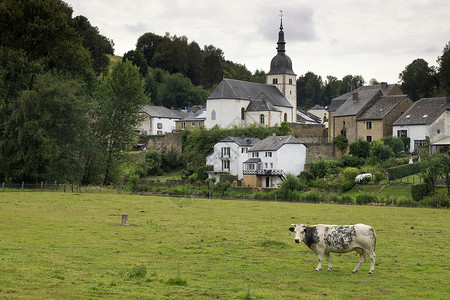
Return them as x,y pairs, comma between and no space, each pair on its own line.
271,159
428,117
236,102
158,120
367,112
321,112
192,121
229,155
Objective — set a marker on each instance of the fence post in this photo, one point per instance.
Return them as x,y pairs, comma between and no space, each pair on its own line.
64,187
3,186
355,200
54,187
393,200
22,185
42,185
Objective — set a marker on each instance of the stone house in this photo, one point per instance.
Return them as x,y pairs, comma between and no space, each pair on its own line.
428,117
192,121
271,159
354,114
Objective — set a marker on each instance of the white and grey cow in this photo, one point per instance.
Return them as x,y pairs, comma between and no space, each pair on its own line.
323,239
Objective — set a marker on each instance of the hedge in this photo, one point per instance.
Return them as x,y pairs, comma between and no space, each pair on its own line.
405,170
419,191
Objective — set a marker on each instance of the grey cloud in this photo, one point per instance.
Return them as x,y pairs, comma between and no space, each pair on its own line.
135,28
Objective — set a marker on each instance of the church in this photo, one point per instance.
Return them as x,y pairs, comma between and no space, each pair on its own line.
241,103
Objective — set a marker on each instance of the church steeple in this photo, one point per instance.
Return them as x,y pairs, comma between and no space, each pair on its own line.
281,63
281,43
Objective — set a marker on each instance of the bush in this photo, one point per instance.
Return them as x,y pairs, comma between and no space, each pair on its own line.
319,168
403,201
137,272
341,142
378,176
201,172
405,170
348,185
346,199
133,183
366,198
419,191
360,148
350,173
305,178
193,178
289,185
352,161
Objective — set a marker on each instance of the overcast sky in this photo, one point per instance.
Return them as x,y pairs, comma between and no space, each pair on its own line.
375,39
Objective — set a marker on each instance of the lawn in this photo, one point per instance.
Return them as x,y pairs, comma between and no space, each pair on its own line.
68,245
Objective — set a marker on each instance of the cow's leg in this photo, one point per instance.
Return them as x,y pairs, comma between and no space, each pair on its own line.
372,256
320,254
362,259
327,256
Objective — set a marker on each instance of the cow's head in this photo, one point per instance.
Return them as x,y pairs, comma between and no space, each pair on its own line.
299,230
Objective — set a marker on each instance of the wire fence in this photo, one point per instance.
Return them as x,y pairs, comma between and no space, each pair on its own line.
60,187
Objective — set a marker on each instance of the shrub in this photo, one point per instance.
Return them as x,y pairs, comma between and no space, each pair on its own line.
319,168
346,199
341,142
380,152
378,176
137,272
350,173
201,172
352,161
360,148
366,198
133,183
363,178
193,177
348,185
419,191
289,185
403,201
405,170
305,179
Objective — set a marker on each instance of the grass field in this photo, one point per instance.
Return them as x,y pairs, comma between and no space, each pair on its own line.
59,246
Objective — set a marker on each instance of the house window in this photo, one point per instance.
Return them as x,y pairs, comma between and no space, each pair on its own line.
271,165
193,124
290,81
213,115
402,133
268,154
251,166
275,81
368,125
183,125
261,119
418,143
344,133
242,114
159,132
369,138
225,151
344,122
225,165
159,125
244,150
255,154
285,117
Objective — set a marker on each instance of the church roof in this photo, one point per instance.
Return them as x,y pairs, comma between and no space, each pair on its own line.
251,91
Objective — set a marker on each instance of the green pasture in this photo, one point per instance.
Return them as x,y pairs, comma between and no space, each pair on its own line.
71,246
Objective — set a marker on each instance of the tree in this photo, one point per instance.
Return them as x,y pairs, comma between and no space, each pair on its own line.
395,143
137,59
119,97
309,90
435,166
147,44
177,91
331,89
380,152
319,168
444,69
47,134
341,142
172,54
418,80
355,81
360,148
212,71
289,187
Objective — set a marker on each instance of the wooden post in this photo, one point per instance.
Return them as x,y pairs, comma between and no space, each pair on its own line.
355,200
42,185
393,201
55,186
22,185
124,220
3,186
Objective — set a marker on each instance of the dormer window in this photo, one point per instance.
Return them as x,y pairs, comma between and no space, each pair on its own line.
275,81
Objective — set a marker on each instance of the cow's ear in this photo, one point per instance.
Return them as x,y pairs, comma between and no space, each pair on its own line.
292,229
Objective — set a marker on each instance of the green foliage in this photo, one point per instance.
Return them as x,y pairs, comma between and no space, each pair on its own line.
405,170
341,142
138,272
289,187
417,80
352,161
133,183
319,168
201,172
176,281
360,148
395,143
153,162
444,69
378,176
403,201
379,152
350,173
419,191
305,179
366,198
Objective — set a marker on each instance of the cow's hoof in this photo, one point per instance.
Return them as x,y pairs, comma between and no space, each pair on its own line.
370,272
317,270
329,270
354,271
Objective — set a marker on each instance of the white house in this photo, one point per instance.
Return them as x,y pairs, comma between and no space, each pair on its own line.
320,112
271,159
229,155
159,120
427,117
236,102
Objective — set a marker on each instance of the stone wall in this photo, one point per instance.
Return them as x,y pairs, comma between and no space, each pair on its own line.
166,142
310,133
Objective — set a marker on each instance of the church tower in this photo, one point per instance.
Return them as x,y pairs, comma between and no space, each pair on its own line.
282,76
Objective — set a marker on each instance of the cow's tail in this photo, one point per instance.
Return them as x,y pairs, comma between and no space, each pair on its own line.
374,240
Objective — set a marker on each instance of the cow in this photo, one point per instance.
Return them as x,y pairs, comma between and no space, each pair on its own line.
323,239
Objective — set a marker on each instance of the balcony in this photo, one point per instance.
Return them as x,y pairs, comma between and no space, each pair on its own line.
265,172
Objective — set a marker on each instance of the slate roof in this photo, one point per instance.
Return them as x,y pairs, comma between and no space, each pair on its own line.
197,116
306,117
317,107
381,108
162,112
386,89
261,105
253,160
273,143
243,90
353,108
241,140
423,112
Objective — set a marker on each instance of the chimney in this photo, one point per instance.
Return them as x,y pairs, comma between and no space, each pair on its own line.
383,85
355,96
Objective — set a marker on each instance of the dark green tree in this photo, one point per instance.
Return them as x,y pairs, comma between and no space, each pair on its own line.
212,66
444,69
119,97
331,89
147,44
195,55
360,148
172,55
418,80
309,90
47,133
177,91
138,60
